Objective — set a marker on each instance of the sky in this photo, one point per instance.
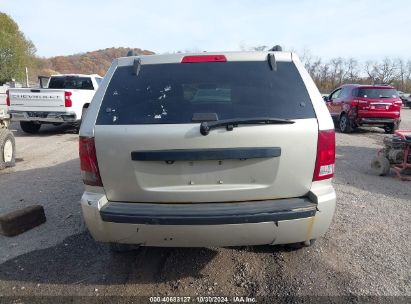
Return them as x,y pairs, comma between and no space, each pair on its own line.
366,30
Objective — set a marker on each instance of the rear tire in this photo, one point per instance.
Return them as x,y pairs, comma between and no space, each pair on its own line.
380,165
30,127
345,124
7,149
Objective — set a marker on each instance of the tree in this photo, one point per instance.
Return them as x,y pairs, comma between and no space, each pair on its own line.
16,51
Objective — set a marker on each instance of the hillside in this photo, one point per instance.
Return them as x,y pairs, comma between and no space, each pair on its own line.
96,62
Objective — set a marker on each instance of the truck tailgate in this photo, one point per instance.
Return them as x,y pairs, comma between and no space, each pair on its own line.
37,100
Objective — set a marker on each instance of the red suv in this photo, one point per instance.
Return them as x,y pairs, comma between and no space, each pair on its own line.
353,105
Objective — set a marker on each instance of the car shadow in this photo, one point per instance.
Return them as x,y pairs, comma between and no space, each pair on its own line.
45,130
79,259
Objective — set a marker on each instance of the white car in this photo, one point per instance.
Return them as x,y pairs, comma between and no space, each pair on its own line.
65,100
208,149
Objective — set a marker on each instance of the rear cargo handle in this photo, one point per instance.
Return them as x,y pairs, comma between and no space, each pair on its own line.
206,154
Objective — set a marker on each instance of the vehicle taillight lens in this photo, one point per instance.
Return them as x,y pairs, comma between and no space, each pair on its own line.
67,99
8,98
88,162
324,165
204,58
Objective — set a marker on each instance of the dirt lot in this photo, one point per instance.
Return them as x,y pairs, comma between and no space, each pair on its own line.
367,251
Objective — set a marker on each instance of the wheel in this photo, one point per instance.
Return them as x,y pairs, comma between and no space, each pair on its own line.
7,149
30,127
391,128
117,247
380,165
345,124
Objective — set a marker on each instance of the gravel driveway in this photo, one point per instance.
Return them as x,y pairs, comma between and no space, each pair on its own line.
366,251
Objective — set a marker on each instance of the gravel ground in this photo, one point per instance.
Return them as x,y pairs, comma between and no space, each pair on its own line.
366,251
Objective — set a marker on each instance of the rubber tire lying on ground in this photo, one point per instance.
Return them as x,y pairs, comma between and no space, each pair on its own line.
380,165
30,127
7,138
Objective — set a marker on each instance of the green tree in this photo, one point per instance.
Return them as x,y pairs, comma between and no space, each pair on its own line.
16,51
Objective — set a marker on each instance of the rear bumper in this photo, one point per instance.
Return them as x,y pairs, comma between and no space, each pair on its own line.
214,224
46,117
377,120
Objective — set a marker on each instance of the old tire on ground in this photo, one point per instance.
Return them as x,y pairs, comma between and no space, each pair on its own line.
7,149
345,124
117,247
380,165
30,127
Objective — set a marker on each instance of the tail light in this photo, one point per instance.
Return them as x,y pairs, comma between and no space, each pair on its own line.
88,162
8,98
67,99
204,58
324,165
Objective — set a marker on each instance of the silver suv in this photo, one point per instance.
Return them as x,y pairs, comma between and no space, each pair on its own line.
209,149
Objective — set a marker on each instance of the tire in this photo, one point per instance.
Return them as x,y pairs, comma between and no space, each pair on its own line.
7,149
30,127
119,248
380,165
391,128
345,124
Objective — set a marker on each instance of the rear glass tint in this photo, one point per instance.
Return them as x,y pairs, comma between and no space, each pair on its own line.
172,93
71,82
375,93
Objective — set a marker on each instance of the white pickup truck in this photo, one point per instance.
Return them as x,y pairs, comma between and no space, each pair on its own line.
65,99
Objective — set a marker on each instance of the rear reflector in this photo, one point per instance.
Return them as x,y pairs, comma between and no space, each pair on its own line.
8,98
324,166
88,162
67,99
204,58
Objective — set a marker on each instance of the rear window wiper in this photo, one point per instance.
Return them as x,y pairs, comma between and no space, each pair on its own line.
230,124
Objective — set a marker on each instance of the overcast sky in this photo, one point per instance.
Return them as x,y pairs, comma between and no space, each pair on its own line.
346,28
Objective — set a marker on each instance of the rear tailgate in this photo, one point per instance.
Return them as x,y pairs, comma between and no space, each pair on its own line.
149,149
381,102
37,100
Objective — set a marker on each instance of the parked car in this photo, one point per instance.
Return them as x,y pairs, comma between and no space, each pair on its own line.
407,102
206,150
403,96
65,100
353,105
7,141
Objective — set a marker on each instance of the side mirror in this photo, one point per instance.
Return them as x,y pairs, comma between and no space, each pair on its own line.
326,99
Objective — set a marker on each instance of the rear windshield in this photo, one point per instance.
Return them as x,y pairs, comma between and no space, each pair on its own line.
71,82
375,93
172,93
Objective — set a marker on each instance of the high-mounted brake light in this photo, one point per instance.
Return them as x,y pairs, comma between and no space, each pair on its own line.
204,58
8,98
67,99
324,165
88,162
